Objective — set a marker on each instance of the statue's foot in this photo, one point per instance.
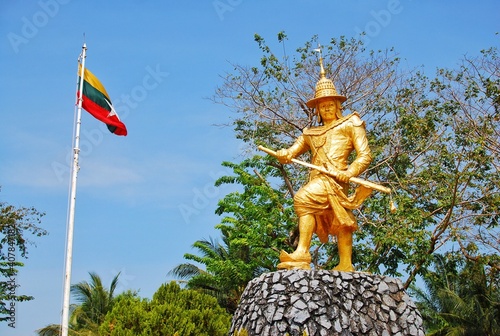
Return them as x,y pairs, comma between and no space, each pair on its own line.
290,265
344,268
295,257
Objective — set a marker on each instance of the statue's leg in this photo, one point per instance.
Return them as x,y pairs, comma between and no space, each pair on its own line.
307,225
344,241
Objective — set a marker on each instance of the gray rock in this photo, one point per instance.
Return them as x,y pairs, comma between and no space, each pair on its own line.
325,322
383,288
337,326
320,302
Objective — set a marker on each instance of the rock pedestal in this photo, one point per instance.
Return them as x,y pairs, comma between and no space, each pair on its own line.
319,302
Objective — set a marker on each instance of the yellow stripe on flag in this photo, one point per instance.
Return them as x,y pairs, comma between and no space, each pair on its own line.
92,80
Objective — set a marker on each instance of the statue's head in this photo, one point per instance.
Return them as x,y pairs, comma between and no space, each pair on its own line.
328,109
325,90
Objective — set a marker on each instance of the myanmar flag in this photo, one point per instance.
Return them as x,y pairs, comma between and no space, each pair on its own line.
96,102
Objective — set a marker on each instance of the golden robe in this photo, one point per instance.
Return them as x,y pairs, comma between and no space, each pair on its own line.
323,196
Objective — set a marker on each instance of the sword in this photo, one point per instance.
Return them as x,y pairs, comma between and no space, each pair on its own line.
357,180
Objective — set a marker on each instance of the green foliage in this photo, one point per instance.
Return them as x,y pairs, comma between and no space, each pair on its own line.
259,218
256,226
215,257
435,142
15,226
95,302
461,298
126,316
172,311
442,162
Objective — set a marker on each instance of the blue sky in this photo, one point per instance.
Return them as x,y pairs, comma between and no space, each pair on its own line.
142,200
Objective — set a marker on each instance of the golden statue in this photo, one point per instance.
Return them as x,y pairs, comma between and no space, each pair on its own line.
323,205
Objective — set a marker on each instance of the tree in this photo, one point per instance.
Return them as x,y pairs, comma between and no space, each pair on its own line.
215,257
95,302
472,94
443,181
172,311
127,316
461,297
250,235
16,224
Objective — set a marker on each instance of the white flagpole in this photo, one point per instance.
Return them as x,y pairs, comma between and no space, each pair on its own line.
71,214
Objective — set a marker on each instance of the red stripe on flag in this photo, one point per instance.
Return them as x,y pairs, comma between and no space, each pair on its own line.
102,114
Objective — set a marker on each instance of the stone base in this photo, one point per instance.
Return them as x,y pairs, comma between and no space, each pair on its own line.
324,303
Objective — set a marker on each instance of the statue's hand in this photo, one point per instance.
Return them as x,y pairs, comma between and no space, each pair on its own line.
343,176
284,156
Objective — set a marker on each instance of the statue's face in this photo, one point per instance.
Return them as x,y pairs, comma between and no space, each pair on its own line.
329,109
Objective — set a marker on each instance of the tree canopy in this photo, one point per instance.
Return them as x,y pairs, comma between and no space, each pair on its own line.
256,225
17,224
461,297
434,141
172,311
94,302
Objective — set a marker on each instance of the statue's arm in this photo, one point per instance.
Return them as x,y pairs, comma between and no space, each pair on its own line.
363,153
299,147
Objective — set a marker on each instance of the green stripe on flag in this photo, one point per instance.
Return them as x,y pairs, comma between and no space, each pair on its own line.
95,95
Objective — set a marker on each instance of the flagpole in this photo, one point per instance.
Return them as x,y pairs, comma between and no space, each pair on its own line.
72,200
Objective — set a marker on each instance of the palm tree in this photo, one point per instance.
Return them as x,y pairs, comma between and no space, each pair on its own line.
254,229
460,299
221,279
95,302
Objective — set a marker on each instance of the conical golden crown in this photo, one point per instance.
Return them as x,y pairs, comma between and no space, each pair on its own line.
324,88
